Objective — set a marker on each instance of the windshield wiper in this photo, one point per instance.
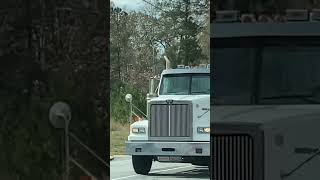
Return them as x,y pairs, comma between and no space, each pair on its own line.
176,93
200,92
305,97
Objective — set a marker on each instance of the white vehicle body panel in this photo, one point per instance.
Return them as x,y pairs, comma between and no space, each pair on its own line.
200,118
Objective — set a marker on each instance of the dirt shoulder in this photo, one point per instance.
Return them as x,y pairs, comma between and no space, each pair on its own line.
118,135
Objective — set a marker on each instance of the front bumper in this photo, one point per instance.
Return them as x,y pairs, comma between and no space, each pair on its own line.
167,148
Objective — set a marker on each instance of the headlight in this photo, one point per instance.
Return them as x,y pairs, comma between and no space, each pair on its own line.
203,130
138,130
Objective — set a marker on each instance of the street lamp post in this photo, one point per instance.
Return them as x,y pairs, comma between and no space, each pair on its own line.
59,117
66,134
129,100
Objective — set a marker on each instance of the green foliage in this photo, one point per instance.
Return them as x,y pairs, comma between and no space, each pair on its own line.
47,58
183,21
30,145
139,40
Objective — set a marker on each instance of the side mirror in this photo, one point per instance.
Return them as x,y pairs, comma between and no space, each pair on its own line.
128,98
151,86
151,93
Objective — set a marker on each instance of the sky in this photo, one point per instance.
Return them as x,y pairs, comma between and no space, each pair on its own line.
129,4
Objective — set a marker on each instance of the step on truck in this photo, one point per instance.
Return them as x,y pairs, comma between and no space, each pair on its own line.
176,128
265,108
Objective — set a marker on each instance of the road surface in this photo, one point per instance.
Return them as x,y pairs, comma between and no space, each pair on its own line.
121,169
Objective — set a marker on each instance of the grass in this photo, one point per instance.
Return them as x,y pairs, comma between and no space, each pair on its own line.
119,134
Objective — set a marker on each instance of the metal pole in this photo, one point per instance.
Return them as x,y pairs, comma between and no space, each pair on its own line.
130,112
153,59
82,168
88,149
63,159
67,148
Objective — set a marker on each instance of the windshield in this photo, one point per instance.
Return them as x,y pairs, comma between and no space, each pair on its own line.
185,84
266,71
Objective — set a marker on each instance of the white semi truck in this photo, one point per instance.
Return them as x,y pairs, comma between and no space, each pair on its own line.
177,128
266,103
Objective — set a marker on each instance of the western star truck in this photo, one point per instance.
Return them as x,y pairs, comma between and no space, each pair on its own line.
177,128
265,108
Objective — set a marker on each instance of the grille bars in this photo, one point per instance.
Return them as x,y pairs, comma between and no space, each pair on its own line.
170,120
233,157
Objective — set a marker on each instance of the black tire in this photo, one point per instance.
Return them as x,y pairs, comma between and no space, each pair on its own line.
142,164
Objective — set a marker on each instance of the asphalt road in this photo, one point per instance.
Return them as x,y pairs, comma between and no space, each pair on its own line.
121,169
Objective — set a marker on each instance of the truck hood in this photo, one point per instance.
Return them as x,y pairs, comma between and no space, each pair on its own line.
264,115
181,97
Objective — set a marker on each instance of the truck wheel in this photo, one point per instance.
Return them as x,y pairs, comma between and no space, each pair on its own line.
142,164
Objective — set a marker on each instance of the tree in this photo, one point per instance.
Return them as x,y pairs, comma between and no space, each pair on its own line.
46,58
180,25
120,43
131,59
140,39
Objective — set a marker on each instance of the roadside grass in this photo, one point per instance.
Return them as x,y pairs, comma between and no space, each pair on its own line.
119,134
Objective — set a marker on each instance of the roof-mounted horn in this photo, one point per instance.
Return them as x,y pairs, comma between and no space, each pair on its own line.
248,18
264,18
315,15
297,15
227,16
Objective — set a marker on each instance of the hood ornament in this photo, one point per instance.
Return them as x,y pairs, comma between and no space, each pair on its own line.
169,101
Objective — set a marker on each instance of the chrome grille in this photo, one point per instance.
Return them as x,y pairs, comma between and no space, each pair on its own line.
233,157
170,120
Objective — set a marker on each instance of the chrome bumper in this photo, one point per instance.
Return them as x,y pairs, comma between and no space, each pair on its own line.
167,148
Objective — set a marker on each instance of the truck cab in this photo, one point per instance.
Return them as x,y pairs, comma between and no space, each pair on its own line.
265,107
177,127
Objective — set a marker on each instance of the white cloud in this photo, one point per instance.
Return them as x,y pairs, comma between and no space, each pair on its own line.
129,4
